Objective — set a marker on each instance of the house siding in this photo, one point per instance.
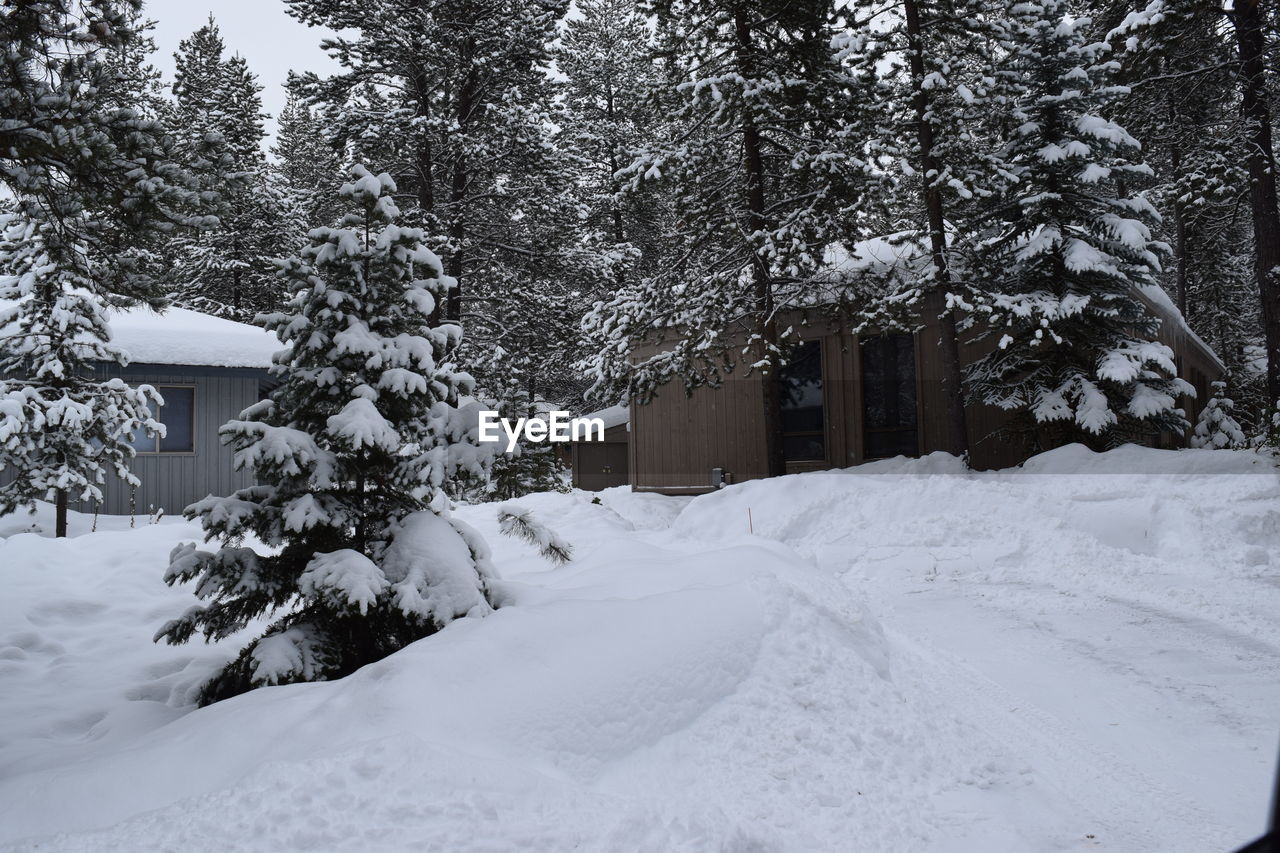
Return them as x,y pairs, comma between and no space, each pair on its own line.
171,481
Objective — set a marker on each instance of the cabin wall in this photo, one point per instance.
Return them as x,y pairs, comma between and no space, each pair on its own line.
677,439
171,481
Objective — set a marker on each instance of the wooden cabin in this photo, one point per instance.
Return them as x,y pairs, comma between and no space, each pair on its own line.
848,401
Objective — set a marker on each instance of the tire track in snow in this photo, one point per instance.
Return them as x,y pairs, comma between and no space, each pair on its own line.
1123,807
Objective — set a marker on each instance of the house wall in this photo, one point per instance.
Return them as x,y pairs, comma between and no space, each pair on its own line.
173,480
602,464
678,438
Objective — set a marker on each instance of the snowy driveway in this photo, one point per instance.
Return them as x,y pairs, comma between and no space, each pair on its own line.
916,660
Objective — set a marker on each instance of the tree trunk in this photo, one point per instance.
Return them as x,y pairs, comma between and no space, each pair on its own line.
424,164
1260,159
60,514
766,322
458,193
615,207
1179,218
952,379
235,273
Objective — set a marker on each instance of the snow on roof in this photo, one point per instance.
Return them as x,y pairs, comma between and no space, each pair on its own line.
1159,297
183,336
877,254
612,416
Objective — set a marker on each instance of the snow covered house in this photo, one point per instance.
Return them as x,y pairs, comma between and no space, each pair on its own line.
849,401
600,465
208,370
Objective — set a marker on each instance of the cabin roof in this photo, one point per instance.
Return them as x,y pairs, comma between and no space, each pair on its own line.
180,336
183,336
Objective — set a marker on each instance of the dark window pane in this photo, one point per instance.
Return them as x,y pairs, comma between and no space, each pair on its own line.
799,448
807,419
889,396
882,445
178,416
803,424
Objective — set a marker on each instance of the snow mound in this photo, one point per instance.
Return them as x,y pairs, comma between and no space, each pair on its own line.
612,416
542,707
923,659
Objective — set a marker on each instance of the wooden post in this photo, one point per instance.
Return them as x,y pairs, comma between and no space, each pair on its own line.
60,515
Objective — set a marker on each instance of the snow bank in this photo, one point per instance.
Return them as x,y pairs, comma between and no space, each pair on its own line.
78,672
550,690
924,659
1111,615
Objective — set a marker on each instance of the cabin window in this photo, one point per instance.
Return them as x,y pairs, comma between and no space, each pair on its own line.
803,423
889,397
178,416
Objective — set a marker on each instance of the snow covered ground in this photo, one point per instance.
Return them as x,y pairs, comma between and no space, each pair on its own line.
1083,655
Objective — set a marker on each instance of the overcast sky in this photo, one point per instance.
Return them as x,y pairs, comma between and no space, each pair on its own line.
259,30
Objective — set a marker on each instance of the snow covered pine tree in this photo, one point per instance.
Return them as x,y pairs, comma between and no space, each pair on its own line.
1216,428
226,268
87,181
61,427
1074,353
349,450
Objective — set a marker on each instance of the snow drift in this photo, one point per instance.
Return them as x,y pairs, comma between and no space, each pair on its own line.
918,659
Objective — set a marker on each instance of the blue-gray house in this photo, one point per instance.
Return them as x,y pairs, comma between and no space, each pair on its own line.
208,370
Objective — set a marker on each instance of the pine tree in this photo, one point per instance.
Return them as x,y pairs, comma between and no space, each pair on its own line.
1074,353
760,181
1255,37
1216,429
1179,62
226,268
305,166
62,427
606,59
350,451
92,182
935,130
530,466
456,98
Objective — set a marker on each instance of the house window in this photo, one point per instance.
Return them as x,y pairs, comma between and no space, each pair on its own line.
889,397
178,416
803,433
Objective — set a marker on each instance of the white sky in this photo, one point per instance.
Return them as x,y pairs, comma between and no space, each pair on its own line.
259,30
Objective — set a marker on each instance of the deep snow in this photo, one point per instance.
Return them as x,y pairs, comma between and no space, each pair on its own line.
1082,655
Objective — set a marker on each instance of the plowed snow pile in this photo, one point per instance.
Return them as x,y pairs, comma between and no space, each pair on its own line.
1081,655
